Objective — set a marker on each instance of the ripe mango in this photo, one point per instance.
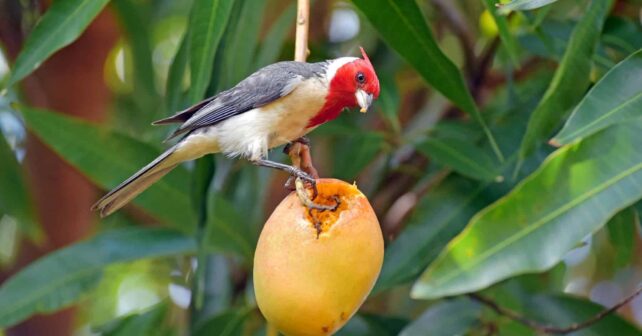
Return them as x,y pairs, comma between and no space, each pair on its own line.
313,269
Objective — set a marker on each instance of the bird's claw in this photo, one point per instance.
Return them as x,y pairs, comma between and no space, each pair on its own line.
308,201
310,180
305,176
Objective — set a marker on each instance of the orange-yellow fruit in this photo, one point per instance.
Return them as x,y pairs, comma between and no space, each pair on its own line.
312,270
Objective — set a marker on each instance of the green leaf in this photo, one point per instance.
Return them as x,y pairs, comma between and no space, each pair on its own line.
504,32
137,33
372,325
227,323
275,37
63,22
62,277
207,24
402,25
389,100
348,163
623,34
574,193
241,41
176,76
14,195
107,158
617,97
571,78
562,310
522,5
455,317
622,232
149,323
463,157
439,217
226,229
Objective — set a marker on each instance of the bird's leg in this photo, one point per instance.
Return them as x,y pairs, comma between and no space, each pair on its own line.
300,188
292,170
299,153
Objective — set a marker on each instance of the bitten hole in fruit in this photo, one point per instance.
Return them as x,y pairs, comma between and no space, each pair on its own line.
331,194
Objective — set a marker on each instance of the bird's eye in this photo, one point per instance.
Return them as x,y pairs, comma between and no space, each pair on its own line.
361,78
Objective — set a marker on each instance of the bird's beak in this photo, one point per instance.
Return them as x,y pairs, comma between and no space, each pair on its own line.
364,100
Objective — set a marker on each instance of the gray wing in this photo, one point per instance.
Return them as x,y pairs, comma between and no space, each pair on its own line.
262,87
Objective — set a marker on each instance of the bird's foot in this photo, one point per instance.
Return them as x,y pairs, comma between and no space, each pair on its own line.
301,178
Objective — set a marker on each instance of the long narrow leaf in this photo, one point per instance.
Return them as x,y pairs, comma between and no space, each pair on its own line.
402,25
363,324
14,195
275,37
574,193
439,217
225,231
144,324
207,24
571,78
176,76
138,37
62,277
565,310
63,22
621,230
241,42
504,32
456,317
463,157
617,97
522,5
226,323
108,158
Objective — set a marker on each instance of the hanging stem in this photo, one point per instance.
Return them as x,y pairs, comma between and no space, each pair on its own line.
270,330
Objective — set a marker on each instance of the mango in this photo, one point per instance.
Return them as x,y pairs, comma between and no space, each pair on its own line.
313,269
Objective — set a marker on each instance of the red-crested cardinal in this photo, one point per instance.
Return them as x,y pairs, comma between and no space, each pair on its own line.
274,106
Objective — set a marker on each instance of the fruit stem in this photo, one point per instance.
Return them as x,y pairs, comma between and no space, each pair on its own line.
270,330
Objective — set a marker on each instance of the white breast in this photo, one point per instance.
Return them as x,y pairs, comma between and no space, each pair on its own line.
252,133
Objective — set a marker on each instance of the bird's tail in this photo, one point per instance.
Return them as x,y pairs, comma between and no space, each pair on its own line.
136,184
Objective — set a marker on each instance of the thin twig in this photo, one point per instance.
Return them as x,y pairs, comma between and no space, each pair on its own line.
538,326
299,152
302,27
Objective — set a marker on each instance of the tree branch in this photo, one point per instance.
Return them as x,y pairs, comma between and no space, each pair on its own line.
538,326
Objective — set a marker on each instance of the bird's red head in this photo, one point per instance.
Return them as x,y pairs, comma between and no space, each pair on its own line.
358,81
353,83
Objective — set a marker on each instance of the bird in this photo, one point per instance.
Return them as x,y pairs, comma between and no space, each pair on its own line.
276,105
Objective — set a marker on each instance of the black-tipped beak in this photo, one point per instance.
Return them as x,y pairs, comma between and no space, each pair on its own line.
364,100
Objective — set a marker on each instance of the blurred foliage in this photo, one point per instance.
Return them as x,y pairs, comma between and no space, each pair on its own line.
457,160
